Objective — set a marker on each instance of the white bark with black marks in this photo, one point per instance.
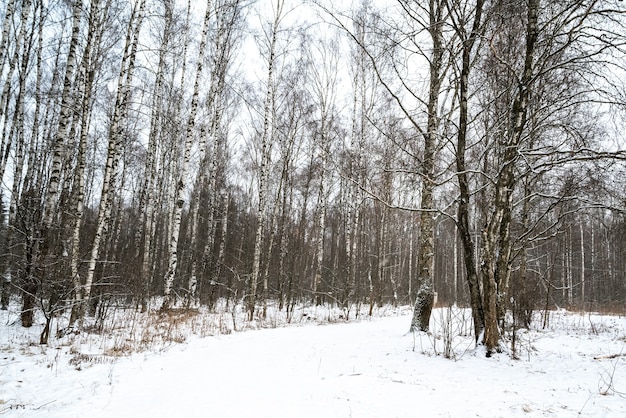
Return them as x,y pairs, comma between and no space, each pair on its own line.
115,138
179,199
266,145
61,137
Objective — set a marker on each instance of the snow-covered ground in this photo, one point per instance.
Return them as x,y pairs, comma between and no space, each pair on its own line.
367,368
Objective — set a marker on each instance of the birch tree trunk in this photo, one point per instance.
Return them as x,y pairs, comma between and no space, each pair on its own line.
324,86
31,280
6,31
426,249
61,137
16,129
179,199
266,136
222,239
30,179
496,235
122,103
321,207
213,146
19,51
145,241
92,47
363,100
296,116
582,263
463,223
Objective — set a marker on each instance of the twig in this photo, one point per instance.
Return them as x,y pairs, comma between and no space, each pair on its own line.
44,404
610,356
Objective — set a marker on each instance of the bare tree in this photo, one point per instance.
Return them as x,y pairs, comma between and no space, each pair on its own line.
542,56
88,69
436,15
61,139
468,40
14,130
179,199
271,35
213,143
323,92
115,140
402,39
6,32
144,240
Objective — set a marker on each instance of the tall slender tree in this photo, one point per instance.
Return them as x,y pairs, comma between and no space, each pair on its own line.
268,112
468,40
181,179
88,69
115,143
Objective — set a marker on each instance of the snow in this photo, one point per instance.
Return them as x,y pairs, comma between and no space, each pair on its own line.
366,368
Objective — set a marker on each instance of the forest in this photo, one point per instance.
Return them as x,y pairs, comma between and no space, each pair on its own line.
289,152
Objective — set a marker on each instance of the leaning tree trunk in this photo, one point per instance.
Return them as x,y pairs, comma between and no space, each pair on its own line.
6,30
67,106
78,192
122,103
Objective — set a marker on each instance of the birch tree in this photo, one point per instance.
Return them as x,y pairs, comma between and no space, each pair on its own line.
468,40
33,263
181,181
213,143
551,46
88,68
271,34
115,139
292,126
436,15
323,91
61,137
6,32
14,129
145,239
399,50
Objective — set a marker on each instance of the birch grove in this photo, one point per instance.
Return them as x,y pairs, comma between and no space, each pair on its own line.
166,155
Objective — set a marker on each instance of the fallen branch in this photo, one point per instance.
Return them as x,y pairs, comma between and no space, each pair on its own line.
611,356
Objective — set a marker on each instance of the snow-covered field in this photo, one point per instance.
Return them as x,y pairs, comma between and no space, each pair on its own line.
171,367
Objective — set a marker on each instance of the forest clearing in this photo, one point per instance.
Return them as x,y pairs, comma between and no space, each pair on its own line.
312,208
317,366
